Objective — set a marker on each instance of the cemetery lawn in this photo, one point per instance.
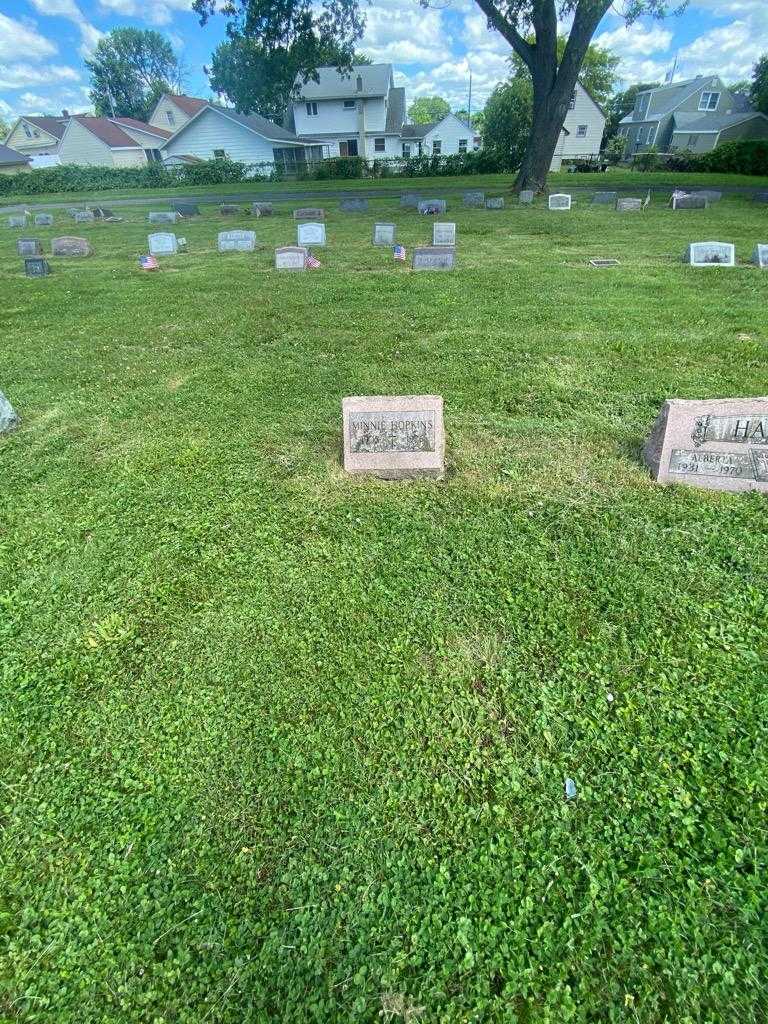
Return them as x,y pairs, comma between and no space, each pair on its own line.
282,745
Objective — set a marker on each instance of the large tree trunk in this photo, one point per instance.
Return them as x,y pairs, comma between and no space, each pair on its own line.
550,106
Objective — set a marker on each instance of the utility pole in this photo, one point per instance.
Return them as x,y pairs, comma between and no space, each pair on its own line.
469,101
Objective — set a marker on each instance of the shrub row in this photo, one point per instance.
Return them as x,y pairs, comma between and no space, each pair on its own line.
73,178
750,156
481,162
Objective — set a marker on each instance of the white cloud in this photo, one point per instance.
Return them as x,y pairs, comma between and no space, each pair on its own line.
157,12
728,52
22,76
18,40
68,9
404,33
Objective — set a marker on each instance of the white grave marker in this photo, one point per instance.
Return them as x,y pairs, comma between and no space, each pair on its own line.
162,243
559,201
711,254
309,233
443,233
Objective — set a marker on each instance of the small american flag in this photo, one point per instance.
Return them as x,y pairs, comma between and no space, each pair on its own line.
148,263
311,262
398,251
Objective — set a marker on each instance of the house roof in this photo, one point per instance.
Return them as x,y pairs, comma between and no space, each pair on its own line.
53,125
253,122
665,99
189,104
418,131
9,156
395,110
714,122
131,122
332,85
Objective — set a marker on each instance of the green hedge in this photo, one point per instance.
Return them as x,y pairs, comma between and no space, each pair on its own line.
73,178
482,162
750,156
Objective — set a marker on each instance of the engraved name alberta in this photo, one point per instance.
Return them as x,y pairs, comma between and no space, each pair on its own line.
374,432
734,465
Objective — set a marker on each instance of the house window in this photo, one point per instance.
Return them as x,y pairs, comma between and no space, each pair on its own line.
463,145
348,147
311,110
709,100
572,104
359,83
27,130
171,118
406,149
219,154
379,145
581,131
651,134
349,104
153,156
437,147
692,140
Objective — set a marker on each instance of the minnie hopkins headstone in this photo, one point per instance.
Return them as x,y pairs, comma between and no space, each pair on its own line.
394,438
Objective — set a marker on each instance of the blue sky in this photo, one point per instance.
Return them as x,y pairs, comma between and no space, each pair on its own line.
43,44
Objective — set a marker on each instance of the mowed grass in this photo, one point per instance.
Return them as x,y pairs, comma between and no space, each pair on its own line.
283,745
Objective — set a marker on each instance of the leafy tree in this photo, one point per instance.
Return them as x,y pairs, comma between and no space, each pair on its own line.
743,86
254,77
758,91
553,77
130,68
427,109
598,69
508,118
4,129
620,104
478,119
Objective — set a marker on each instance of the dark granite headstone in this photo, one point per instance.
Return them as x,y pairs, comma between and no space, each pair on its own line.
474,199
68,245
163,217
29,247
689,203
187,209
36,266
309,213
354,205
605,198
410,200
262,209
229,210
43,220
720,444
17,220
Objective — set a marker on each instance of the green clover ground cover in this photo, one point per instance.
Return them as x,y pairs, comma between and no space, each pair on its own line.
280,745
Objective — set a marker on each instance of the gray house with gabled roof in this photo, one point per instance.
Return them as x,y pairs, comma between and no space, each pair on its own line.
698,114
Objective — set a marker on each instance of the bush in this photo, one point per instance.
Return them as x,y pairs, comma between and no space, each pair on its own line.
749,156
648,160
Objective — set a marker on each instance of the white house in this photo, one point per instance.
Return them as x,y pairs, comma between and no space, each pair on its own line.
37,136
362,113
172,111
110,142
216,132
582,131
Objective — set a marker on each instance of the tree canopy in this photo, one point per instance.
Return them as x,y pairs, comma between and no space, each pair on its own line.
758,92
130,69
597,73
4,129
427,109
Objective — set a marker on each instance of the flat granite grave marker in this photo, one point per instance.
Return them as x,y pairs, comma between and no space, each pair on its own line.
689,203
494,203
68,245
604,263
36,266
262,209
527,196
229,210
308,233
9,418
394,438
474,199
309,213
629,205
237,241
559,201
432,206
760,256
163,217
410,200
354,205
163,243
17,221
720,444
431,257
443,233
187,209
605,198
711,254
85,217
384,234
29,247
43,220
290,257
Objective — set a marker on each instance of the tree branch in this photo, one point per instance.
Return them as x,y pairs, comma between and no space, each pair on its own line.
496,20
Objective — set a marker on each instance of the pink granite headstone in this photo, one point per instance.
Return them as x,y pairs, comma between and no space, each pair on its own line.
394,438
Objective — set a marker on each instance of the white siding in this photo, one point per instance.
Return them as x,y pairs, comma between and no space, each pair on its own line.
586,112
391,143
128,158
79,146
144,140
43,143
332,117
160,116
212,130
448,131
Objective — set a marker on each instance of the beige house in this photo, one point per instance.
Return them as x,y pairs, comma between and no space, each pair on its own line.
11,162
37,136
110,142
173,112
